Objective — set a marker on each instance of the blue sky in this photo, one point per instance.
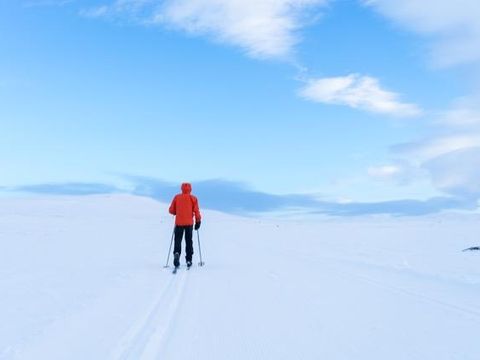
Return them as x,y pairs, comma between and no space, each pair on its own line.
341,101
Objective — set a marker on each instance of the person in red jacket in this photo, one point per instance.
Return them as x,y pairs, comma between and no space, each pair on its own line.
185,207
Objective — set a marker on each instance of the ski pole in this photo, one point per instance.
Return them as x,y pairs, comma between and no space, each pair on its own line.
169,250
201,263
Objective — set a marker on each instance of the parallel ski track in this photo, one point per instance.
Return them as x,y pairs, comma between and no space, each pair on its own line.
474,313
332,262
145,340
402,291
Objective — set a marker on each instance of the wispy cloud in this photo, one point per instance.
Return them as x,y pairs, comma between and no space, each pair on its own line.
429,148
398,172
457,172
450,156
359,92
453,26
452,162
463,114
384,171
262,28
33,3
97,11
141,11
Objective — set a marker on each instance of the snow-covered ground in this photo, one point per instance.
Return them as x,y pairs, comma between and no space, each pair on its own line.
83,278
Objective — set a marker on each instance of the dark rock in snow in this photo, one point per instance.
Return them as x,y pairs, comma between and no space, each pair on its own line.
472,248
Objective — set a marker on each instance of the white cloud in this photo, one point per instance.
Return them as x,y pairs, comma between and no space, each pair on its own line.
453,25
262,28
399,172
97,11
427,149
464,113
450,164
449,157
457,172
360,92
384,172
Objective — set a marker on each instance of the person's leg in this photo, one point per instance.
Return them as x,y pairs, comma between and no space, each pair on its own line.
189,243
177,249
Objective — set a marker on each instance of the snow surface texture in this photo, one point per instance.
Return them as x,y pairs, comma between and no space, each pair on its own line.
83,278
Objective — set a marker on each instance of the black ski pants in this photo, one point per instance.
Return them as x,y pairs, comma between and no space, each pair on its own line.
188,230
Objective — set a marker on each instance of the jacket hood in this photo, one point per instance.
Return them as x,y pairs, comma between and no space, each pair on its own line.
186,188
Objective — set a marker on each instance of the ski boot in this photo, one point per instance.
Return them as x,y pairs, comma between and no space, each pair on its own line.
176,260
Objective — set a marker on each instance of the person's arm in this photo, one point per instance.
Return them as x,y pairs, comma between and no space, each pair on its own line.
173,206
196,212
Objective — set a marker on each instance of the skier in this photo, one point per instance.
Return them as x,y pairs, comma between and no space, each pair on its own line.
184,206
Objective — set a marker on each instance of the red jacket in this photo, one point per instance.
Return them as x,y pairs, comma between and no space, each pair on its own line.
185,206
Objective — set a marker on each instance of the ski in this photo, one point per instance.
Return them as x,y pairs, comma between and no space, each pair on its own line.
174,270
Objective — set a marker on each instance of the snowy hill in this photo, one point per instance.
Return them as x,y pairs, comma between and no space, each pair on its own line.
83,278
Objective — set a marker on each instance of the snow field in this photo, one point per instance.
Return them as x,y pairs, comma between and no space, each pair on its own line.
83,278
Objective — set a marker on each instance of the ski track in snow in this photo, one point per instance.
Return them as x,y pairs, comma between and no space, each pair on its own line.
413,294
333,264
145,339
416,295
